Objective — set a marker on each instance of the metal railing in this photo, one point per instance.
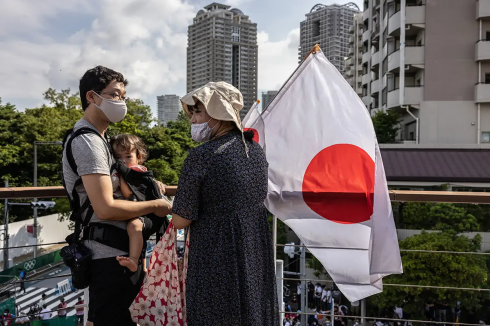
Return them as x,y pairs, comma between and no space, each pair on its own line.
395,195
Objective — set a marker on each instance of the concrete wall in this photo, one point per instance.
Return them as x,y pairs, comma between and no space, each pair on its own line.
450,67
49,230
440,120
485,117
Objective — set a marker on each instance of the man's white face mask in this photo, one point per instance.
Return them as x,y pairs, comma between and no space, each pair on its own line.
115,111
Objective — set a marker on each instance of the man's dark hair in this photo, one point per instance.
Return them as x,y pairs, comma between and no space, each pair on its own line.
96,79
6,310
20,269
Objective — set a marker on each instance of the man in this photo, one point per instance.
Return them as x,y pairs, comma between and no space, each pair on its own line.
42,302
45,313
22,278
112,286
7,318
79,312
62,308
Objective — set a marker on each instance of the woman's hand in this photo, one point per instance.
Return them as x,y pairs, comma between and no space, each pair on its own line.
161,186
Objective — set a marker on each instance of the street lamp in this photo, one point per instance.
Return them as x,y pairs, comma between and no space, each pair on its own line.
35,184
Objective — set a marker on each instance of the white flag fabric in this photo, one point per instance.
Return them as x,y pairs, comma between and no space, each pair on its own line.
326,177
254,118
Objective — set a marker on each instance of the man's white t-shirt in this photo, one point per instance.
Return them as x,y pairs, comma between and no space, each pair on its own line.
46,314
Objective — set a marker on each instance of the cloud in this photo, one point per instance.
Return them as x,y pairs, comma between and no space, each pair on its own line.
235,3
277,59
144,39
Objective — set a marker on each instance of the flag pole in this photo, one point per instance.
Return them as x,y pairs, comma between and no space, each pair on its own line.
274,238
314,49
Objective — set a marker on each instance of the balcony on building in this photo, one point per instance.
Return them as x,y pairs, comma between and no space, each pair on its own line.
366,14
367,100
366,78
414,21
375,60
365,36
414,59
413,95
482,93
483,9
352,39
483,50
365,57
376,86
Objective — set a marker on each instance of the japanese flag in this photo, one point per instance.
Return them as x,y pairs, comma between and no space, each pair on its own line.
254,118
326,177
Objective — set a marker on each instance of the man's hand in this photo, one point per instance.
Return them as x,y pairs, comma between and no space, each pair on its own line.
163,207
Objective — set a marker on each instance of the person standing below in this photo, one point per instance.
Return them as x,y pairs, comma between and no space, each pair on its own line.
220,197
22,279
7,318
298,295
45,313
318,296
112,286
79,312
42,302
62,308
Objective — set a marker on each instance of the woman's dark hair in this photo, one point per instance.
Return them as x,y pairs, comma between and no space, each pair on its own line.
96,79
249,134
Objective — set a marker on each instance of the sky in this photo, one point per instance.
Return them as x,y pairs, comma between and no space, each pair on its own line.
51,43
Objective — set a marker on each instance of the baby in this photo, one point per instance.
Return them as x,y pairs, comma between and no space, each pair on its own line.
131,150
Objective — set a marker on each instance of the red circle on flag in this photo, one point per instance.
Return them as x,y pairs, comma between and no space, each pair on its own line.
256,134
339,184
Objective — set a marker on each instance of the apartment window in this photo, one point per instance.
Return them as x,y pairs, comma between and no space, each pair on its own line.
485,137
488,36
487,78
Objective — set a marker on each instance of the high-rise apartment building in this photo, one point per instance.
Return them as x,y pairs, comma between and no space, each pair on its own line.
168,107
222,46
329,27
353,64
267,98
430,61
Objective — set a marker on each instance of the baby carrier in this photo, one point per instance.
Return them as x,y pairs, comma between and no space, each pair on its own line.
76,256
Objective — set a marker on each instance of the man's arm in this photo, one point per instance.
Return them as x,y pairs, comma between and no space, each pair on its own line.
99,191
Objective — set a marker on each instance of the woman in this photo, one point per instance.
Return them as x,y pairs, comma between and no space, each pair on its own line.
221,195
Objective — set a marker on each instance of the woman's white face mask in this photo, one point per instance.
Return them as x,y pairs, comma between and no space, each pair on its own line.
202,132
115,111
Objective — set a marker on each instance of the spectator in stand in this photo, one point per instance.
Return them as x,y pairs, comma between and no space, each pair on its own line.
45,313
318,296
457,312
311,295
429,311
42,302
79,312
324,299
62,308
7,318
442,311
22,278
298,294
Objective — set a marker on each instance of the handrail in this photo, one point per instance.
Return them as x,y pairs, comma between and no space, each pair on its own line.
50,192
395,195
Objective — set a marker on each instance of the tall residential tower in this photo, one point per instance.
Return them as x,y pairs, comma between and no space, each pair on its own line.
222,46
168,108
329,27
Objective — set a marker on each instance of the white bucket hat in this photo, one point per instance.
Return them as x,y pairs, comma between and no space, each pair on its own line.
222,101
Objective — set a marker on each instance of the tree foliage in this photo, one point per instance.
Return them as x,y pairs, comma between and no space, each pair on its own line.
444,217
435,269
168,147
386,125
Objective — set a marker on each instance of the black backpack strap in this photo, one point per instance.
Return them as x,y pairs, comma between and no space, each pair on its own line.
107,234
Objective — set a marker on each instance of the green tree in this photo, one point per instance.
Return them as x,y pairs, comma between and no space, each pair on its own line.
436,269
386,125
440,216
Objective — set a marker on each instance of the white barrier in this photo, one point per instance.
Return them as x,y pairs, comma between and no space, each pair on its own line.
49,230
